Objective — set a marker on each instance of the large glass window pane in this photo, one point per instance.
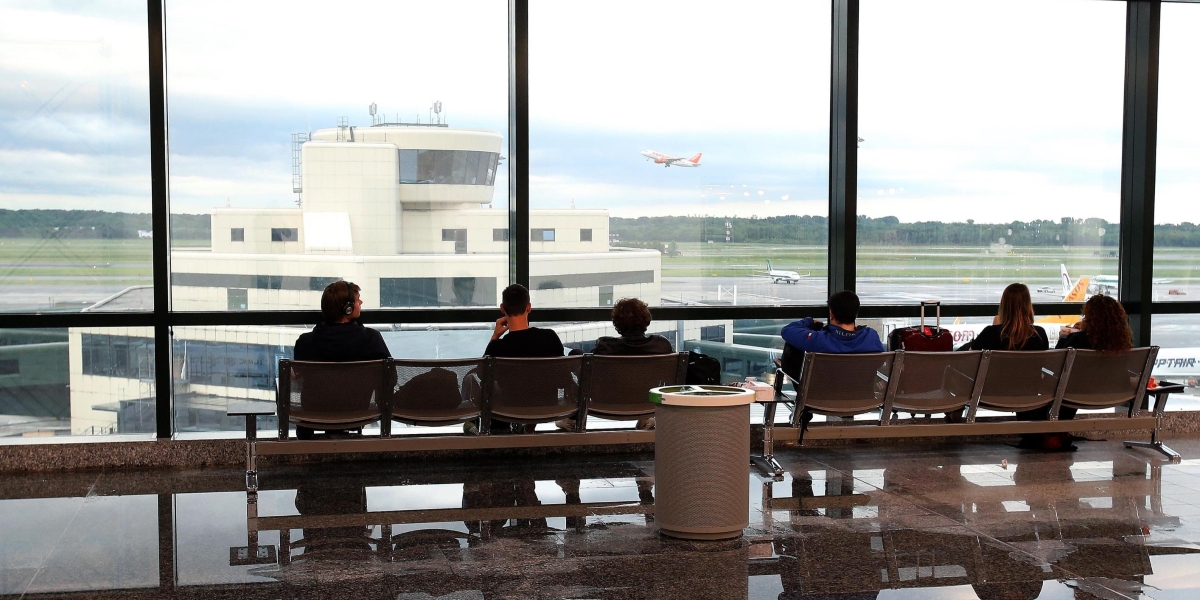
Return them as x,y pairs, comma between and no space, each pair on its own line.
94,381
378,162
1178,356
74,157
695,150
991,147
1177,187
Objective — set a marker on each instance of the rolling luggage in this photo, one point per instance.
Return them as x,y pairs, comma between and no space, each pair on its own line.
923,338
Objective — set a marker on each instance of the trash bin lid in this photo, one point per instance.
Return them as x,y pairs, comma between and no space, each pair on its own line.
701,395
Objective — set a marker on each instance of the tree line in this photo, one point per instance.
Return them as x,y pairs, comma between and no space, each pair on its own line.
657,232
813,230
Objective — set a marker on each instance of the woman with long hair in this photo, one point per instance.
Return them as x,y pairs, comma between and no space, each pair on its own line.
1013,327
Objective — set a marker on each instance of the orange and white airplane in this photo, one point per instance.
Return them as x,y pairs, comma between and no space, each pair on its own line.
667,160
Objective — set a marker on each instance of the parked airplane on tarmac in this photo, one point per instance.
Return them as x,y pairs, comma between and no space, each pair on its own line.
777,276
667,160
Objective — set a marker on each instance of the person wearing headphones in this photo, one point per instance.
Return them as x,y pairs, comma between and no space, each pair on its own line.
340,337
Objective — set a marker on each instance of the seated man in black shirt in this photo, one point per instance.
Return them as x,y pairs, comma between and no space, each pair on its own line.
519,339
340,337
514,338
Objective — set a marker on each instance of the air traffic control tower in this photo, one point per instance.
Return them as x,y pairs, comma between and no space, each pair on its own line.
403,210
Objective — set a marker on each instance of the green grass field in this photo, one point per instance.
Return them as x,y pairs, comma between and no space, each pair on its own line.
109,262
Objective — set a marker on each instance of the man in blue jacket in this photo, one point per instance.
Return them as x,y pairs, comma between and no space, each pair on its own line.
840,336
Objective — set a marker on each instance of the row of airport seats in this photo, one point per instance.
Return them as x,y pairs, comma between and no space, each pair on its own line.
960,384
327,396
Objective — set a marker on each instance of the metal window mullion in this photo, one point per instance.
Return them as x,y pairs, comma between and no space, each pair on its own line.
160,217
843,146
1138,149
518,142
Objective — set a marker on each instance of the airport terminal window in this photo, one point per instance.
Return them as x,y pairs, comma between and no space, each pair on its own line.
606,295
700,185
237,234
404,292
227,364
118,356
1177,183
456,167
585,235
541,235
238,299
284,234
993,163
500,235
713,333
76,123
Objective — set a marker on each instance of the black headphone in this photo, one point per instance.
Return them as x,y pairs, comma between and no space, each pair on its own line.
348,308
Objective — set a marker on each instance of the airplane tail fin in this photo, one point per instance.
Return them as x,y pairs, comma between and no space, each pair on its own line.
1076,292
695,159
769,269
1066,279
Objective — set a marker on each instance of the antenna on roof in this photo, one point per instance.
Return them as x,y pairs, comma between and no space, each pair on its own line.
436,109
374,120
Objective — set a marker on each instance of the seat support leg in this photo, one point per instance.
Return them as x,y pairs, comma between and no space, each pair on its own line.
766,463
1160,406
252,455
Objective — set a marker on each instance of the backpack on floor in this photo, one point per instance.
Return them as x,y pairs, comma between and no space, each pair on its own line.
703,369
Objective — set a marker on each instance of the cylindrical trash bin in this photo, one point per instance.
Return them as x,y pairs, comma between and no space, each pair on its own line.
702,460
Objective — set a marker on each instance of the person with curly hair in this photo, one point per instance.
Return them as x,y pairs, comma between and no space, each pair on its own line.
1104,328
630,317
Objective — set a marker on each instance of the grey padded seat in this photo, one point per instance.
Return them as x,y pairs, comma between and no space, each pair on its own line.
936,382
1108,380
439,392
334,395
843,385
618,386
535,390
1018,381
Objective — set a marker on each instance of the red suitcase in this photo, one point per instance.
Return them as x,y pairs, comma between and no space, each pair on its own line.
923,338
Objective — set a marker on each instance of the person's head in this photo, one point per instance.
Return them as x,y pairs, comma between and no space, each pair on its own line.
340,302
514,301
631,316
1106,325
1016,315
843,307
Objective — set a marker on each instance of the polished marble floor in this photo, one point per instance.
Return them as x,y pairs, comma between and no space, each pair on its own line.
961,521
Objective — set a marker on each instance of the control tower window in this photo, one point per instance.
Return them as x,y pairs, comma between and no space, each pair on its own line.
453,167
585,235
500,235
541,235
237,234
459,237
285,234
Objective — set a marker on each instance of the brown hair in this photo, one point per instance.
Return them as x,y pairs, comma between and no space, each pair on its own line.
514,300
1105,325
631,316
335,298
1016,315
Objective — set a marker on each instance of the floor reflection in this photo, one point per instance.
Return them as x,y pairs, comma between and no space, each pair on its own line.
964,521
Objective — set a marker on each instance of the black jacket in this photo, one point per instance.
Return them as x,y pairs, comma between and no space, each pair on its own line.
990,339
526,343
634,345
341,342
1075,340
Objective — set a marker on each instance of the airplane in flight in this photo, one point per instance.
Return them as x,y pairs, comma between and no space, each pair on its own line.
667,160
777,276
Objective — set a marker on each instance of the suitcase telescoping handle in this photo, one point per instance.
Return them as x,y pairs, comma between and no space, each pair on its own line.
935,303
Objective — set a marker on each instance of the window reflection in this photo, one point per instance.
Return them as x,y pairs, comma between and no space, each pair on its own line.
455,167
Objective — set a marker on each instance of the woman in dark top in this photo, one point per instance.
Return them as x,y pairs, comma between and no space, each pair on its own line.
1013,328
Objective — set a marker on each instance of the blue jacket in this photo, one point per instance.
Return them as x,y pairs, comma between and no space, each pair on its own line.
831,338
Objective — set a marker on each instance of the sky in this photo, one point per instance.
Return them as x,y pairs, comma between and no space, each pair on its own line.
968,109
